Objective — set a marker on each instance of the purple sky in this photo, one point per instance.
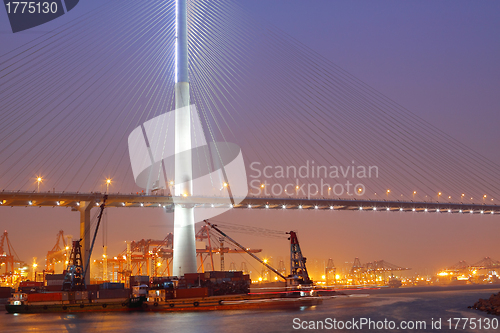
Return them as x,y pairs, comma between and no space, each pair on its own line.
437,59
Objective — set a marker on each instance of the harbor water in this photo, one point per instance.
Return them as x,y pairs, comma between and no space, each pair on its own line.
408,307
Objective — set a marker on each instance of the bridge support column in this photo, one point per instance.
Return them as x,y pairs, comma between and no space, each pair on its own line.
84,209
184,259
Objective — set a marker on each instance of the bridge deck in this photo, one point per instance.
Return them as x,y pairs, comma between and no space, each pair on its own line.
61,199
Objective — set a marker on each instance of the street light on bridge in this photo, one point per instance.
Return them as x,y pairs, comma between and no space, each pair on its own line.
38,180
108,182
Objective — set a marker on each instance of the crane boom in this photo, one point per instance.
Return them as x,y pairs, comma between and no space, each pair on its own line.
95,234
244,249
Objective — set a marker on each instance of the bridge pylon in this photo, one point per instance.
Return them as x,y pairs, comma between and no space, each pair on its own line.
84,208
184,260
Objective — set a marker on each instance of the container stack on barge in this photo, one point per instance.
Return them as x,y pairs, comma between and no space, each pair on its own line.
73,301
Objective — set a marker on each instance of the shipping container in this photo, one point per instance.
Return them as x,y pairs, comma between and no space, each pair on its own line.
113,293
54,288
49,277
191,293
25,284
44,297
92,287
54,282
111,285
5,292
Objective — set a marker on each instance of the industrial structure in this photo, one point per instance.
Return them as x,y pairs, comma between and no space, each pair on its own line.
12,269
57,257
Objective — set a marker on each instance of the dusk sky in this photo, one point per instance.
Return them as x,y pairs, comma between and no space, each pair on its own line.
439,60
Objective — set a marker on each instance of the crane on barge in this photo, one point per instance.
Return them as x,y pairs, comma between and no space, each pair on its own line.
298,278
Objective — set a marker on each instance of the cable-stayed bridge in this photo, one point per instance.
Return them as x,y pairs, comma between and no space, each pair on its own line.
67,121
73,200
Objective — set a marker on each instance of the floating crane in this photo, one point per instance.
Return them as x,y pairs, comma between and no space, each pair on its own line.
298,278
213,226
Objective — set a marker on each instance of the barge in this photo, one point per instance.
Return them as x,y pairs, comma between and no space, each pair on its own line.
208,291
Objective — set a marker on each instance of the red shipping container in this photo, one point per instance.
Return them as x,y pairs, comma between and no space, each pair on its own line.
30,284
45,297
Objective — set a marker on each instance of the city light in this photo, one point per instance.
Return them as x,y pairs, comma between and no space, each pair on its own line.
39,180
108,182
